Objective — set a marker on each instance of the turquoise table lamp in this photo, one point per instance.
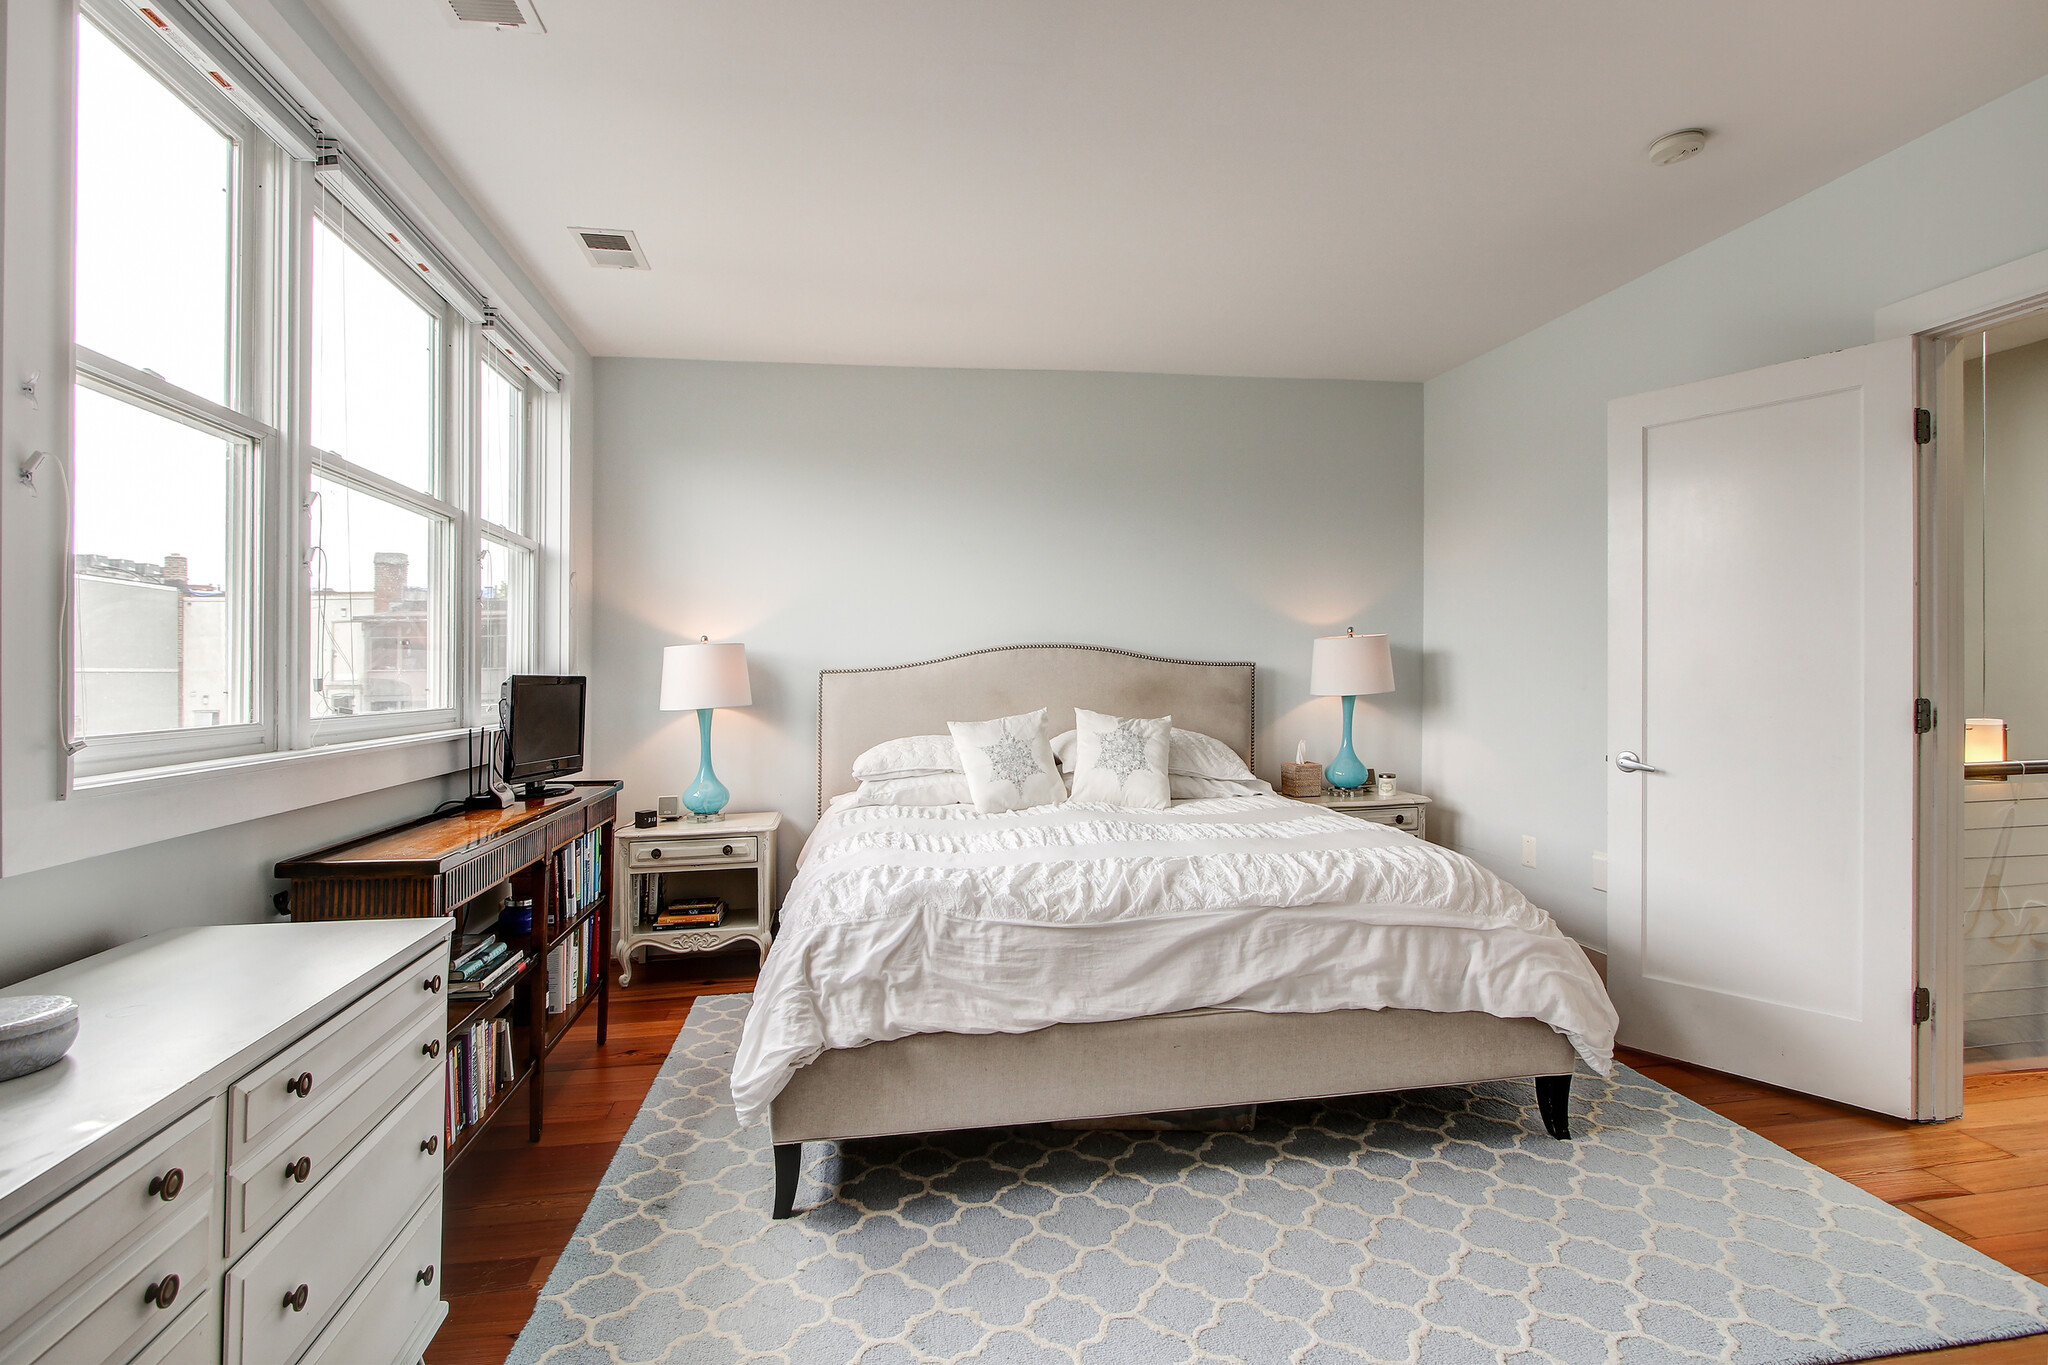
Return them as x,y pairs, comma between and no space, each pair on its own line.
1349,666
701,678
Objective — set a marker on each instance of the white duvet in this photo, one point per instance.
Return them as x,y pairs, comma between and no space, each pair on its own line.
941,920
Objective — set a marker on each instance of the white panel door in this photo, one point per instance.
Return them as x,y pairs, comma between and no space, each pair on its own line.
1761,668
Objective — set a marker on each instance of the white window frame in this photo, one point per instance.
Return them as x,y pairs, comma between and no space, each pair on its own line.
252,529
522,644
448,470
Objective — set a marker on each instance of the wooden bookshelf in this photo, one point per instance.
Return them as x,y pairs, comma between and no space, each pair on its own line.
440,865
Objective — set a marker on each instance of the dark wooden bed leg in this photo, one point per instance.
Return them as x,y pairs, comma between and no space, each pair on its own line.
788,1156
1554,1102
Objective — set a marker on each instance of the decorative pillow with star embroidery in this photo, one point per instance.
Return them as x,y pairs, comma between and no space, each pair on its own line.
1008,762
1121,761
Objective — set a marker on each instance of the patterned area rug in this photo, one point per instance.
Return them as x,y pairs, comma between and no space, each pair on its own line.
1436,1226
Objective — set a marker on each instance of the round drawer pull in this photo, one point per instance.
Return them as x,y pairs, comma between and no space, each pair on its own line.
728,850
296,1300
432,984
425,1276
1400,819
299,1170
654,853
431,1145
167,1186
163,1293
431,1048
300,1085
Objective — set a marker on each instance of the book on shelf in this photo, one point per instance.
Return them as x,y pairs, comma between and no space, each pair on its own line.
573,968
481,962
506,971
691,914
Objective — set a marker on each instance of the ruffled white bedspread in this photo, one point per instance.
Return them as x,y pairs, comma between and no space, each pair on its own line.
942,920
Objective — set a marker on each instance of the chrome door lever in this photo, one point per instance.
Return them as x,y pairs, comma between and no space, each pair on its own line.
1633,763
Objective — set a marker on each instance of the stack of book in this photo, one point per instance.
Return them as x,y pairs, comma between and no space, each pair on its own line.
483,969
691,914
480,1064
579,875
573,967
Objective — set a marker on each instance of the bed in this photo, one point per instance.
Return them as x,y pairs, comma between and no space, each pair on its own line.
953,1006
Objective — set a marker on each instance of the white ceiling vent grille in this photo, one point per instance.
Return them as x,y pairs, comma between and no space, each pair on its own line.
507,16
611,248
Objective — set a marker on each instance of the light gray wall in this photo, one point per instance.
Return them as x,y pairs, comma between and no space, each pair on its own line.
842,516
1515,465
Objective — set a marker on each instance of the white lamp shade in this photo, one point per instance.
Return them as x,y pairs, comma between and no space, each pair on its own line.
694,677
1350,666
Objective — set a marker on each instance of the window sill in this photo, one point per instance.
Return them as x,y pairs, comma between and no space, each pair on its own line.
245,764
113,812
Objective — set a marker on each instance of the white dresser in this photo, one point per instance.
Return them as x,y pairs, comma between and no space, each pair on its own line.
240,1159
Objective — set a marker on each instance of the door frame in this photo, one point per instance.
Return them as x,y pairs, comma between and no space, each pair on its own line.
1939,320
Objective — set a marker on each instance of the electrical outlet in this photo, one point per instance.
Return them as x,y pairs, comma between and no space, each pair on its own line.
1528,850
1599,871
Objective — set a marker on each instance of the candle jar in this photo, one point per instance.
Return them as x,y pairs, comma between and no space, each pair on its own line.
1385,785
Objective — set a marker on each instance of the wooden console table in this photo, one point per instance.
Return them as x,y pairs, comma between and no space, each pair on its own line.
438,865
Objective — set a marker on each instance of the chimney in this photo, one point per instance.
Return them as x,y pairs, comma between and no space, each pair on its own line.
390,582
176,569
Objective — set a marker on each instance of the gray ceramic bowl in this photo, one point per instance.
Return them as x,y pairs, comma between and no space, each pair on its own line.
35,1030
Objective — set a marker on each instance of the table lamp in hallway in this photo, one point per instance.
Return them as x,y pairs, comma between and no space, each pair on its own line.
1349,666
701,678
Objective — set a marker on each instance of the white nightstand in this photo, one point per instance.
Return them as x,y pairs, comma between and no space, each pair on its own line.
732,859
1404,810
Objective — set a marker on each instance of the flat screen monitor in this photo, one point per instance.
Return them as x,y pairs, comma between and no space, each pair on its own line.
543,720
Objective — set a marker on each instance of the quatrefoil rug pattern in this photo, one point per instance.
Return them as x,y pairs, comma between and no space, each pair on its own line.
1438,1226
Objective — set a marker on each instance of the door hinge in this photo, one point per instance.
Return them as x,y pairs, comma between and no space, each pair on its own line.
1923,1004
1923,715
1923,426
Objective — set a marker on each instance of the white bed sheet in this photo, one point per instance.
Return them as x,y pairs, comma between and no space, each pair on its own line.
909,920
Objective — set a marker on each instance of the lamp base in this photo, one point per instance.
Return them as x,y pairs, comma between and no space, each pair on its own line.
696,819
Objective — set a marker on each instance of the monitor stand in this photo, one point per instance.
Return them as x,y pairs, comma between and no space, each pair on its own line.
541,791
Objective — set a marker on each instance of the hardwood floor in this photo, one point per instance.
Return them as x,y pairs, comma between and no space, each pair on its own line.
511,1204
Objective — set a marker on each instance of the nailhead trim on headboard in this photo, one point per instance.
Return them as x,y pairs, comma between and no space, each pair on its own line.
1252,694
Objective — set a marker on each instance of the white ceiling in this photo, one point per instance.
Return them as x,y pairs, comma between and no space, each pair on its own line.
1371,189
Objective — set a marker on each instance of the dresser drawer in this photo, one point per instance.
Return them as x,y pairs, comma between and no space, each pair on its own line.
279,1091
390,1318
193,1338
334,1236
267,1182
118,1312
684,852
45,1261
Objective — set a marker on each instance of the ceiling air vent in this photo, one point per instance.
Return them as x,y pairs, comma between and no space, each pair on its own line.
611,248
507,16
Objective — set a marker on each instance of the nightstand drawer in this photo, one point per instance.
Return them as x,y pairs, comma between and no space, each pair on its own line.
1402,817
690,852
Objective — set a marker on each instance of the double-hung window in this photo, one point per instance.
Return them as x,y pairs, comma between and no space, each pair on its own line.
506,551
304,481
383,633
172,460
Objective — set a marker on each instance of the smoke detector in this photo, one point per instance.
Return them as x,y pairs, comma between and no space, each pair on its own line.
505,16
1675,147
611,248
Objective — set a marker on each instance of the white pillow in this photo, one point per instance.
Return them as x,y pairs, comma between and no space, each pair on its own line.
1122,761
911,756
1194,754
1186,787
932,789
1008,762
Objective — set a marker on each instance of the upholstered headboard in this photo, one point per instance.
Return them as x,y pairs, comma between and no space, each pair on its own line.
858,708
